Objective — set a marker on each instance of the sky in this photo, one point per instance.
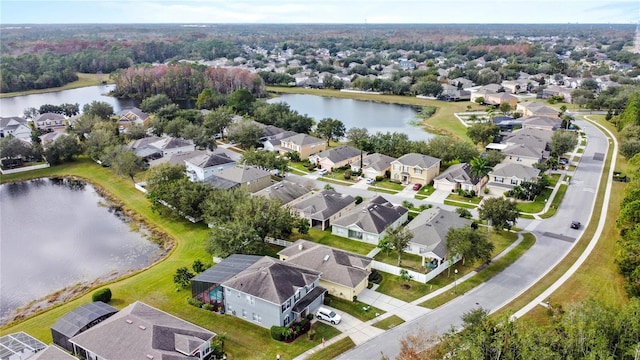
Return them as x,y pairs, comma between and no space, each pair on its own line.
319,11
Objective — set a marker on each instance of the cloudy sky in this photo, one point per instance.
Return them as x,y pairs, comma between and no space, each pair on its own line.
315,11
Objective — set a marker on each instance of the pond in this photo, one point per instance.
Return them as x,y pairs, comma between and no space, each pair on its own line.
15,106
56,233
376,117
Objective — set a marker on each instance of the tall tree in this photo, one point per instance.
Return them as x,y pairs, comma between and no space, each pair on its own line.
483,133
563,141
330,129
479,167
265,159
501,212
398,237
246,133
471,244
218,120
153,103
127,163
241,101
101,109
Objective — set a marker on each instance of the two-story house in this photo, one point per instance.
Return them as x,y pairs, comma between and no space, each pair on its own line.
415,168
132,116
16,127
303,144
273,292
506,176
205,165
50,121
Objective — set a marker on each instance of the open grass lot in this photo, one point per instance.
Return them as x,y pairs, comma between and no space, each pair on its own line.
484,275
335,349
83,80
155,286
327,238
355,309
388,323
537,205
442,122
600,272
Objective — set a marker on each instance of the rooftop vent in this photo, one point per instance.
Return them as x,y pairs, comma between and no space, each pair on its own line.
142,327
300,247
149,356
326,257
129,321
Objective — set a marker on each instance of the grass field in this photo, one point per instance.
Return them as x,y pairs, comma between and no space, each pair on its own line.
155,286
335,349
388,323
83,81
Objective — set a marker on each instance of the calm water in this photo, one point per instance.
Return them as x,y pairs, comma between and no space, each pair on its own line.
15,106
56,233
356,113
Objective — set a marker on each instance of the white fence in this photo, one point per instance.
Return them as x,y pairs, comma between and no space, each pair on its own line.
415,276
23,169
279,242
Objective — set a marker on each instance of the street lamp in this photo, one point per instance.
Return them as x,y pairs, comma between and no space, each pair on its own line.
455,281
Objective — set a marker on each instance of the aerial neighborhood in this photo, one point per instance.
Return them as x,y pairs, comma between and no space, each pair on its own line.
289,236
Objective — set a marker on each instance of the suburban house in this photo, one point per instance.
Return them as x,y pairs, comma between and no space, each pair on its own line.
140,331
527,146
542,122
342,273
373,165
132,116
79,320
415,168
50,121
337,157
429,229
16,127
458,176
507,123
322,208
156,147
285,191
555,90
501,98
505,176
251,178
453,93
273,142
536,109
273,292
303,144
205,165
368,221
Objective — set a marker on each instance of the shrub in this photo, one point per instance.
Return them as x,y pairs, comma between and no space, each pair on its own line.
486,190
311,334
347,174
276,332
379,178
195,302
464,213
355,298
103,295
327,301
209,307
359,199
375,277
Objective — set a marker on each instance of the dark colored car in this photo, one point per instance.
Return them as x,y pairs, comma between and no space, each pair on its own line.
417,187
575,224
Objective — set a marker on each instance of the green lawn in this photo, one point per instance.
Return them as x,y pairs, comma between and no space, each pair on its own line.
386,184
154,286
384,191
358,309
334,181
327,238
333,350
537,205
425,192
553,179
494,268
460,204
392,285
580,150
408,261
388,323
473,200
299,166
555,202
83,81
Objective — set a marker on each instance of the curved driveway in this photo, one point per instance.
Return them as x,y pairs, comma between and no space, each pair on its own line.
554,240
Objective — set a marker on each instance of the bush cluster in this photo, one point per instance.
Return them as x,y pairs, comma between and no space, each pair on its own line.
103,295
283,333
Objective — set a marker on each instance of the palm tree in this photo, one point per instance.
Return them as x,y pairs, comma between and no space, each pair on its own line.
479,167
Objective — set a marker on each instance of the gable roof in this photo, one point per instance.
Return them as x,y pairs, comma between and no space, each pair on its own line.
285,191
170,142
537,108
302,139
12,122
458,173
52,352
337,266
324,204
127,113
373,216
430,229
519,171
377,161
339,153
539,120
243,174
419,160
141,331
209,160
49,116
272,280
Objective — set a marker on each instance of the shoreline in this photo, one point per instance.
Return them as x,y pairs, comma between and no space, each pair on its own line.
78,289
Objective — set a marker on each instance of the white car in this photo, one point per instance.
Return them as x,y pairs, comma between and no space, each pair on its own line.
323,171
328,315
370,181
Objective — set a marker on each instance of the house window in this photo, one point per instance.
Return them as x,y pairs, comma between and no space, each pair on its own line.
396,177
296,297
257,318
250,299
417,171
244,313
405,169
286,320
498,179
355,234
514,181
396,167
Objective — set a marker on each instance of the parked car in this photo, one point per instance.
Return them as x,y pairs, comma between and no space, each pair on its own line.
563,161
323,171
370,181
328,315
417,187
575,224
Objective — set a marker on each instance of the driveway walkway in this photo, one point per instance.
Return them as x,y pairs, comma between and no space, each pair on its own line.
438,196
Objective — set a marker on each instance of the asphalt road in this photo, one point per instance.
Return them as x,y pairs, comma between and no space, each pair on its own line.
554,239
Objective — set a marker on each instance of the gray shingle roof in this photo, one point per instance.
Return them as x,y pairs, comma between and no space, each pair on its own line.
540,120
53,352
243,174
458,173
171,143
324,204
209,160
373,216
140,330
339,153
48,116
302,139
285,191
519,171
377,161
337,266
430,229
422,161
272,280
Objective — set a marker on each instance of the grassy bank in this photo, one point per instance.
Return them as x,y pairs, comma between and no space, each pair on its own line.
442,122
84,80
155,285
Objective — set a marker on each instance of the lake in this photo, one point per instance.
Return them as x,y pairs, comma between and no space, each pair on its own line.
357,113
56,233
14,106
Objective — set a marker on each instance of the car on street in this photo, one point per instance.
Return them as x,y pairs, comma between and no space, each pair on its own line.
417,187
328,315
575,224
323,171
